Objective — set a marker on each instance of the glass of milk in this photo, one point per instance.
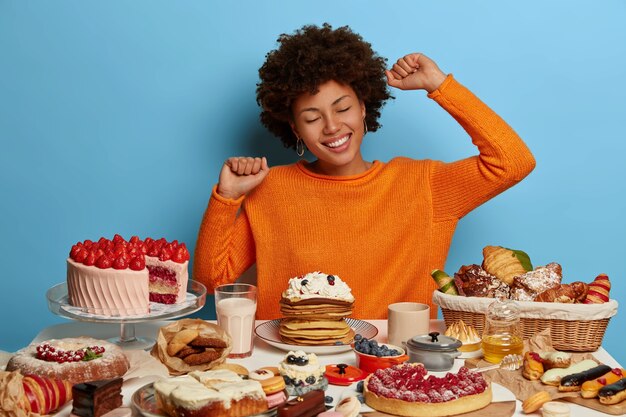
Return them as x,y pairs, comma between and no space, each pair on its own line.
236,307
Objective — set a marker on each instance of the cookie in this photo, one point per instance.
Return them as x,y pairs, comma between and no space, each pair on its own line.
180,340
188,350
261,375
236,368
207,341
208,355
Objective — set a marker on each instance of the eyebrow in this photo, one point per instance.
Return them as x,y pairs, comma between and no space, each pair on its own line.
316,109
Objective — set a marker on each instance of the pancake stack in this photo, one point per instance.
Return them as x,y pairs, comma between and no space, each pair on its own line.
314,307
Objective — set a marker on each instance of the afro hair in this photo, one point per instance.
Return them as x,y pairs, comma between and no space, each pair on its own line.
310,57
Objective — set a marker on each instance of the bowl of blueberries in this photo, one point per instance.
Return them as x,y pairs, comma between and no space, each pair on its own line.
371,355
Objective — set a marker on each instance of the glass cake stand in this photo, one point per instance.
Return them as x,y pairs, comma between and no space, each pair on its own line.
58,303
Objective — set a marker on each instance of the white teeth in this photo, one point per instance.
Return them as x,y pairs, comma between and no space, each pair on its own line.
339,142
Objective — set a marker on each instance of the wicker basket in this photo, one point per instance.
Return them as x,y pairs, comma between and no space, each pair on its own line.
573,327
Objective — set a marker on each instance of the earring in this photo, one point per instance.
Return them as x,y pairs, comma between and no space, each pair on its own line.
364,127
299,146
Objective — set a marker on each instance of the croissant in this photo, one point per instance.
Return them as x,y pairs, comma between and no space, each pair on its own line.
599,290
444,281
581,289
505,263
528,286
564,293
473,281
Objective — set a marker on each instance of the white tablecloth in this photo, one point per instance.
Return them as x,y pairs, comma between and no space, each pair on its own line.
266,355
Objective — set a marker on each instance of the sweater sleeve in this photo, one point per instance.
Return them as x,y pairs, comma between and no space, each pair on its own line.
503,158
225,247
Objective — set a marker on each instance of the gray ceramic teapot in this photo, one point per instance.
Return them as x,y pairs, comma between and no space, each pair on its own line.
437,352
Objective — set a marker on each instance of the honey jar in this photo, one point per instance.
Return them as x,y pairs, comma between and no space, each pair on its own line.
502,335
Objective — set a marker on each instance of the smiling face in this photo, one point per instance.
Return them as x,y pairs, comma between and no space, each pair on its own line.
330,123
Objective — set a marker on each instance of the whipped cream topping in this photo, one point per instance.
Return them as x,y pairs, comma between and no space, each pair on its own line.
318,285
301,372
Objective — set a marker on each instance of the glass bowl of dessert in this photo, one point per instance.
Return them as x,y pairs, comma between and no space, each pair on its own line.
371,355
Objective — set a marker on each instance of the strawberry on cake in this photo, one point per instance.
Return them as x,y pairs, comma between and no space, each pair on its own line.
119,278
405,390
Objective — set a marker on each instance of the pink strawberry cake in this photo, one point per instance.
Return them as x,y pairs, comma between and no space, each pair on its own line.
119,278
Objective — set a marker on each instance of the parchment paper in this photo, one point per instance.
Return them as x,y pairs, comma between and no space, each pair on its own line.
11,394
177,366
523,388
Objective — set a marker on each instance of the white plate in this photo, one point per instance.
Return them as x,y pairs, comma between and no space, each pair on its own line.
144,401
268,331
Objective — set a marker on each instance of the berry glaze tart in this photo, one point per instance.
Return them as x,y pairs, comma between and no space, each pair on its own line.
405,390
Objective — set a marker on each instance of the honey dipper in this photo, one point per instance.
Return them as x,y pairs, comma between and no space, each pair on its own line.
509,362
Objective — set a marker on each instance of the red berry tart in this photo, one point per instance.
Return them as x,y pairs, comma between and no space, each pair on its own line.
74,360
405,390
119,278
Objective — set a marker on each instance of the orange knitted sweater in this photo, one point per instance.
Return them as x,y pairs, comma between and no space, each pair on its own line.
381,231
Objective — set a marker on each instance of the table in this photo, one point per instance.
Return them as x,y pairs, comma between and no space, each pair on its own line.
266,355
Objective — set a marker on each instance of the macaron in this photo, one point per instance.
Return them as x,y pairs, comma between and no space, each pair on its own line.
349,407
276,399
273,385
535,401
555,409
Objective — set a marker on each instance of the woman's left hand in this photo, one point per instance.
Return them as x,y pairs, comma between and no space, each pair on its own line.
415,72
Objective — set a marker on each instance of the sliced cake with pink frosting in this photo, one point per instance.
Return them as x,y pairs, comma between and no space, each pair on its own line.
119,278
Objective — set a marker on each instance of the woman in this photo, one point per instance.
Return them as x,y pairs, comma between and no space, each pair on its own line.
382,227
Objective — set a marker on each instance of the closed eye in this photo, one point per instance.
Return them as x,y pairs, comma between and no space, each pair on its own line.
346,109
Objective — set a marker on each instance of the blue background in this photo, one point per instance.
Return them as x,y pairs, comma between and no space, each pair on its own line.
115,117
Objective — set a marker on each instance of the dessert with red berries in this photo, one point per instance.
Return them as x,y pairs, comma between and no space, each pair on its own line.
406,390
119,278
74,360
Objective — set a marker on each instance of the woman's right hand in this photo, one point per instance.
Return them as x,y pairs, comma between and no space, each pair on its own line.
240,175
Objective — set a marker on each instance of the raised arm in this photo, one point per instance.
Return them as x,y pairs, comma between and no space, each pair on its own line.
503,158
225,246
